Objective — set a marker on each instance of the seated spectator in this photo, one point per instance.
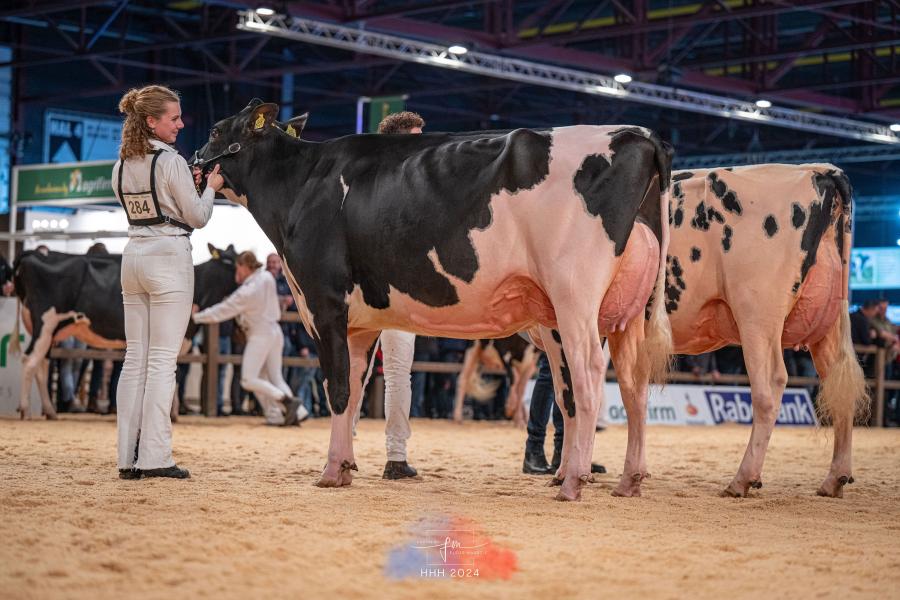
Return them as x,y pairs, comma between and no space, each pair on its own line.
863,333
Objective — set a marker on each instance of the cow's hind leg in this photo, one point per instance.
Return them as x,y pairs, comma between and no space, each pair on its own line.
841,394
469,370
345,373
43,376
768,377
582,365
633,375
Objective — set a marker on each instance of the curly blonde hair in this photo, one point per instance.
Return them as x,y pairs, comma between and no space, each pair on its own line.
137,105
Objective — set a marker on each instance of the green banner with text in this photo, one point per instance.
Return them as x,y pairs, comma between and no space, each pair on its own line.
66,184
383,106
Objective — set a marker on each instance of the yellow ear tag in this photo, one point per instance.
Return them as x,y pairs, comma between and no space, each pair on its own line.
291,131
260,121
215,254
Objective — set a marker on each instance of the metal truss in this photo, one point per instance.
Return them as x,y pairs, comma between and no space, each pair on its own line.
411,50
849,154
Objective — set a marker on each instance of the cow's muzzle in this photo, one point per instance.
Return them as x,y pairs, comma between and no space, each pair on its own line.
206,164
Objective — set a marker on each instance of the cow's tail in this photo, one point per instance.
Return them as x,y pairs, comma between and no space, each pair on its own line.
843,393
15,347
657,345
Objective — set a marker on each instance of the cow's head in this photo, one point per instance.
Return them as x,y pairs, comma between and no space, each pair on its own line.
233,141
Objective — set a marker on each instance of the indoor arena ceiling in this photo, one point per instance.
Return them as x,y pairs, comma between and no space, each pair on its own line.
823,57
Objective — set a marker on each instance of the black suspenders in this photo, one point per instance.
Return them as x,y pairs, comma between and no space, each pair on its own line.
137,205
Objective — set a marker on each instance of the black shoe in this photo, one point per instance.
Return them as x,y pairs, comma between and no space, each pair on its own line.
557,458
174,472
535,463
129,473
290,410
398,469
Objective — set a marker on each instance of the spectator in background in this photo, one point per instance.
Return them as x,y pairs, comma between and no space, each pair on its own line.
863,333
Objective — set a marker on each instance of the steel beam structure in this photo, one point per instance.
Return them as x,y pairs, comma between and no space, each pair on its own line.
848,154
411,50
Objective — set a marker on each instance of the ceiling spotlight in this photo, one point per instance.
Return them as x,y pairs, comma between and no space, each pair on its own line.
53,223
763,104
45,223
35,224
457,49
623,78
265,11
895,127
64,223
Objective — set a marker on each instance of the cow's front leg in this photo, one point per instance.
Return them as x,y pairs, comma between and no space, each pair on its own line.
344,358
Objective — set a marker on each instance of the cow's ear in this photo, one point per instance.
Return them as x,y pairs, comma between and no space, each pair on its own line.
230,248
294,126
254,103
213,251
263,116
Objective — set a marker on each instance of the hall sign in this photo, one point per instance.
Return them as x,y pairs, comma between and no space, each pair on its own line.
62,184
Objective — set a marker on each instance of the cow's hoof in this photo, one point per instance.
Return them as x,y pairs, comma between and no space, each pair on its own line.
833,487
21,412
630,486
568,495
51,416
555,482
337,476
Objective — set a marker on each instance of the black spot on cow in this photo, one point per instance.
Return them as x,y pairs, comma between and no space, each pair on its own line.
726,238
725,194
682,176
796,287
568,393
714,215
770,225
700,220
798,215
818,220
678,214
606,185
729,169
695,254
675,283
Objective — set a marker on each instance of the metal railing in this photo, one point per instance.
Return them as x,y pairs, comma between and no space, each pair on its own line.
212,360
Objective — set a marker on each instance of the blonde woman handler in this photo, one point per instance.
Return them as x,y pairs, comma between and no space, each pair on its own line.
255,304
156,188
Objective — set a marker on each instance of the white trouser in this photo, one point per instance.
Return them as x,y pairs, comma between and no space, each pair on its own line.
157,291
397,348
261,370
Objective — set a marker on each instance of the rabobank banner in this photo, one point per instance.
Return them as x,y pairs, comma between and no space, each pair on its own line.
708,405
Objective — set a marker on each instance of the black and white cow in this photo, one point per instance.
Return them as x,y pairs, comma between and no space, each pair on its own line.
474,235
759,257
63,295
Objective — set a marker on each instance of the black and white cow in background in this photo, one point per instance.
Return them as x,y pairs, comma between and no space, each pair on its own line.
474,235
62,295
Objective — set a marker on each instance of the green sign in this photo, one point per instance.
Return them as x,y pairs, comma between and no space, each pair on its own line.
72,183
381,107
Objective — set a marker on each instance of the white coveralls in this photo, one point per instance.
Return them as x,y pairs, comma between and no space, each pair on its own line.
398,348
255,304
157,291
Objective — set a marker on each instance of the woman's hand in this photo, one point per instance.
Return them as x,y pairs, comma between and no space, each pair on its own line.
214,179
197,174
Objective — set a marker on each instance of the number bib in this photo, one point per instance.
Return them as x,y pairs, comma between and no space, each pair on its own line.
140,207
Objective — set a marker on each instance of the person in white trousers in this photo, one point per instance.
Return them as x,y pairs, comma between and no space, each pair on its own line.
256,307
397,351
157,190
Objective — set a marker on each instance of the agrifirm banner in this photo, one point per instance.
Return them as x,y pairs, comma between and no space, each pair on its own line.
11,366
74,183
708,405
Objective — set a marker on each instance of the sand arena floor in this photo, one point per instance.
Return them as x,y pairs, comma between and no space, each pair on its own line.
250,524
